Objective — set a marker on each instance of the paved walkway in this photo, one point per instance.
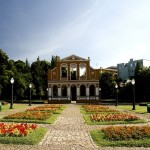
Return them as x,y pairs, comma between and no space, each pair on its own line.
68,133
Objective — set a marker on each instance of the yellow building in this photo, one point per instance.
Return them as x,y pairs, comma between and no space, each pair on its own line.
73,79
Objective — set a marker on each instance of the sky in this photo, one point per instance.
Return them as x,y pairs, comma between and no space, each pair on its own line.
107,31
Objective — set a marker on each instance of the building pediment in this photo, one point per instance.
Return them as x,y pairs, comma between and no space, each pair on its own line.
73,57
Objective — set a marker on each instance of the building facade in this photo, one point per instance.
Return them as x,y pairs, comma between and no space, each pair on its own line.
127,70
73,79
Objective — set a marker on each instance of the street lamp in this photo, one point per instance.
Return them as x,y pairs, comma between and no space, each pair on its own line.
99,93
30,86
133,83
11,104
116,86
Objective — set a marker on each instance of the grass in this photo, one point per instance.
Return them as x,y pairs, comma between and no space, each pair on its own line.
50,120
90,122
15,106
98,137
31,139
139,109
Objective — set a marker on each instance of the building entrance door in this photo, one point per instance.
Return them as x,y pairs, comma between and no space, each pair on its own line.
73,93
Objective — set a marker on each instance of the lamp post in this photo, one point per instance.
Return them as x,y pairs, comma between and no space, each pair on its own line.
116,86
30,86
133,83
11,104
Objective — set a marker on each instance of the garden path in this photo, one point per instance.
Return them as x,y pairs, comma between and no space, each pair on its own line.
70,132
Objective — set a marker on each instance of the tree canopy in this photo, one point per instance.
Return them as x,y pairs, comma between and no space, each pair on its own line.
23,74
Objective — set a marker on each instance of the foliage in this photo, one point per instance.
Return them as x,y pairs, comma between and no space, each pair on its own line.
39,77
107,84
23,74
53,61
142,86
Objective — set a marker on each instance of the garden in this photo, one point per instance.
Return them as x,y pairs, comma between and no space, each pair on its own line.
128,136
45,114
116,134
25,128
105,115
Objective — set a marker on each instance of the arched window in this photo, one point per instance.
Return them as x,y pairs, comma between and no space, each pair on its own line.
55,91
92,90
64,90
73,71
82,90
64,71
82,70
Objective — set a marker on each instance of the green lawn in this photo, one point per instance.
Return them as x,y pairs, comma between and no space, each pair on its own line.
15,106
139,109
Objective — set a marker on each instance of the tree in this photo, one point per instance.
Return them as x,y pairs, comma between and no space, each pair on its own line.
7,70
39,75
53,61
107,85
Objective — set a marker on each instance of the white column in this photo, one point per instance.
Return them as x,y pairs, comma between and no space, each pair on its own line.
78,93
59,93
49,93
68,93
87,93
97,93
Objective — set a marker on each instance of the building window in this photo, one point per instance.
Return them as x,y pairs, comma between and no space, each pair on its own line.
82,90
73,72
55,91
63,72
92,90
82,71
64,90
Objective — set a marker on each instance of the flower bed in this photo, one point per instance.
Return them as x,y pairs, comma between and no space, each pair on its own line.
54,105
98,108
31,115
16,130
113,117
122,136
114,133
42,109
52,108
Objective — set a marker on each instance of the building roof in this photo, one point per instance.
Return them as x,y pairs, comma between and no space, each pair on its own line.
73,58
